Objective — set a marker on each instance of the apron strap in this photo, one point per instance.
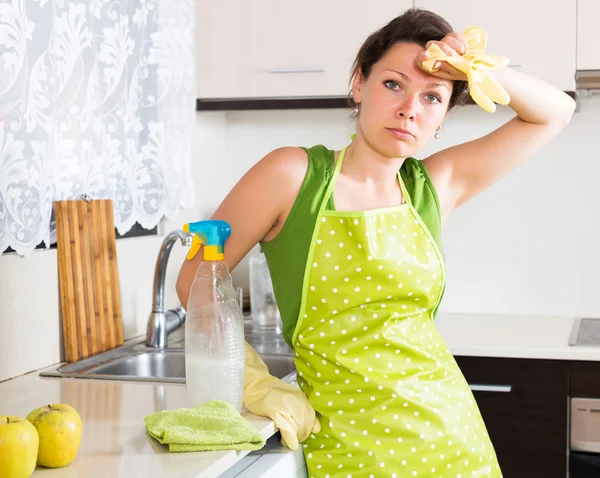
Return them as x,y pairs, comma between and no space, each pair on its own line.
333,180
403,189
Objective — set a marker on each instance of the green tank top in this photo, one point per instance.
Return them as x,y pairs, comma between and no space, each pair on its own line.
287,253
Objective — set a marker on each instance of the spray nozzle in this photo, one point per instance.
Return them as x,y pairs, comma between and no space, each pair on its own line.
212,234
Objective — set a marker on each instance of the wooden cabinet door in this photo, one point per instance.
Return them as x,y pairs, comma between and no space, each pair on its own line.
588,53
524,404
538,37
275,48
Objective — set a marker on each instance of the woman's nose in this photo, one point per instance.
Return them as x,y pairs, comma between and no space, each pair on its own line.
408,107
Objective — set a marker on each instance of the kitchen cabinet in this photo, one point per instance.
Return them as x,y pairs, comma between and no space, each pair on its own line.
539,38
220,48
585,380
524,404
272,461
275,49
588,54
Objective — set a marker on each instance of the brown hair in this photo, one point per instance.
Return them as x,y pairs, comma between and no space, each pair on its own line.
413,26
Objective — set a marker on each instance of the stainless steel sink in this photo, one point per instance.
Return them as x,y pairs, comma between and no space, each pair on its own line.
279,365
129,362
159,356
137,362
145,364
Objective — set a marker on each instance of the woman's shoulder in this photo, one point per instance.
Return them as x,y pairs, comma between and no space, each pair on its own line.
418,182
412,165
300,154
294,162
415,171
296,176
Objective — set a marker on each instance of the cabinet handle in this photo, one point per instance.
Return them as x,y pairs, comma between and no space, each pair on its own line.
515,65
491,388
299,69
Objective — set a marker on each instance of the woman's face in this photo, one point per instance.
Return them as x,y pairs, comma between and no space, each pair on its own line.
401,105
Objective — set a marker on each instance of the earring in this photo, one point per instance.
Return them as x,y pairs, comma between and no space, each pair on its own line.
357,108
437,133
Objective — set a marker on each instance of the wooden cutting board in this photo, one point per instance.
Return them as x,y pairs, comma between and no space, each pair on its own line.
88,277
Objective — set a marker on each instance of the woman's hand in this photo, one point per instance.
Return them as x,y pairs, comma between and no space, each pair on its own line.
452,44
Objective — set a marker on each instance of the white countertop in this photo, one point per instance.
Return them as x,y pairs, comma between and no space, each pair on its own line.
512,337
115,442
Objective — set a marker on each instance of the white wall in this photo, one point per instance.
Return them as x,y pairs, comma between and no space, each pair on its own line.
526,246
529,244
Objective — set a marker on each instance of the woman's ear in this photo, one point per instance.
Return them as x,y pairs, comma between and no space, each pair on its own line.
357,85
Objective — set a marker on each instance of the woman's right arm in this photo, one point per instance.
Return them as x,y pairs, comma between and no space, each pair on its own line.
256,209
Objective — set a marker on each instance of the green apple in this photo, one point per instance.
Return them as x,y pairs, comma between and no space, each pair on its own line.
18,447
59,429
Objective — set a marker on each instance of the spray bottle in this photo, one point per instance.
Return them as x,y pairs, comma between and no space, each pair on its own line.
214,331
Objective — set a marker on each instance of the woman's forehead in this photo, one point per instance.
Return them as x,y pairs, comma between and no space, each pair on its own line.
402,59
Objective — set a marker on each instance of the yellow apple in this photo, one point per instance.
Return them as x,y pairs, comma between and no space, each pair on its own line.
59,428
18,447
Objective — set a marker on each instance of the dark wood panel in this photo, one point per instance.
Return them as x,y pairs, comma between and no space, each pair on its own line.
236,104
528,425
585,379
513,371
233,104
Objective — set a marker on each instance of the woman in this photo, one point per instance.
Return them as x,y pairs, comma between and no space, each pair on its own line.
352,238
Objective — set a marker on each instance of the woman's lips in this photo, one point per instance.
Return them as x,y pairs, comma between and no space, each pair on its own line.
401,133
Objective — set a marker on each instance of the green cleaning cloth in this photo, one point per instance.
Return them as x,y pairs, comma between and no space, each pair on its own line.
216,425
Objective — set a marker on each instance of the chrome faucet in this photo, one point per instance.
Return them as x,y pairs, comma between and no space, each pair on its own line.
161,323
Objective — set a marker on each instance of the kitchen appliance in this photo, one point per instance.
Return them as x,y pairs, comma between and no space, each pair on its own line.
584,438
584,460
585,333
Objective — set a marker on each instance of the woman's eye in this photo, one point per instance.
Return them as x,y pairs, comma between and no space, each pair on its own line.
433,98
391,84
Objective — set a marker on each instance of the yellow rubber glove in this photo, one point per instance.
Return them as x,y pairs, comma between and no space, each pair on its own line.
475,64
285,404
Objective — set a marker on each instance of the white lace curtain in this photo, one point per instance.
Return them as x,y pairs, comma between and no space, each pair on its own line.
96,98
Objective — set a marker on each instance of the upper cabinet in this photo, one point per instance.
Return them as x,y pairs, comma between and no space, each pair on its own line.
278,49
282,49
539,37
588,51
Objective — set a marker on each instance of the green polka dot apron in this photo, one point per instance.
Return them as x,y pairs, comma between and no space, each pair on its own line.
390,397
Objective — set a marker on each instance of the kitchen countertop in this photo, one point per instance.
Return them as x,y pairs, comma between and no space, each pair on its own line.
115,442
512,336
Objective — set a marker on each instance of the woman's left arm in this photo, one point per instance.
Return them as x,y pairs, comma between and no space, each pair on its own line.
461,172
